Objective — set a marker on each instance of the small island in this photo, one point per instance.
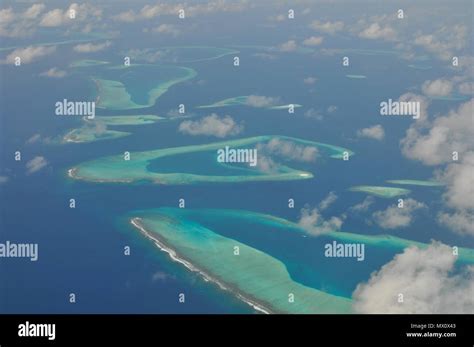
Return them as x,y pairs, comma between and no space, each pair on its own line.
381,192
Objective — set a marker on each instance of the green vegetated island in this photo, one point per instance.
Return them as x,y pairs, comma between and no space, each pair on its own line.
255,277
196,164
97,129
381,192
244,101
91,134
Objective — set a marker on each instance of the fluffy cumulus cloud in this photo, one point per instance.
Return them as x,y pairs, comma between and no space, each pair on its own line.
310,80
19,24
34,11
437,88
36,164
54,73
423,101
459,180
425,279
26,23
288,150
313,113
461,221
433,143
261,101
33,139
327,201
313,41
375,132
288,46
364,205
29,54
395,217
466,88
327,27
317,114
74,14
376,31
91,47
445,42
166,29
211,125
312,221
149,12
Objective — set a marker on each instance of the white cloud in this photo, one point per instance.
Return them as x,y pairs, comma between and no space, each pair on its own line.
126,17
376,31
166,29
395,217
6,15
18,24
26,23
29,54
149,12
445,41
424,278
466,88
261,101
313,41
327,201
310,80
364,205
375,132
160,276
3,179
327,27
53,73
91,47
289,46
211,125
36,164
434,143
437,88
278,18
332,109
313,114
459,182
266,164
33,139
313,222
82,13
289,150
34,11
54,18
461,221
424,103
